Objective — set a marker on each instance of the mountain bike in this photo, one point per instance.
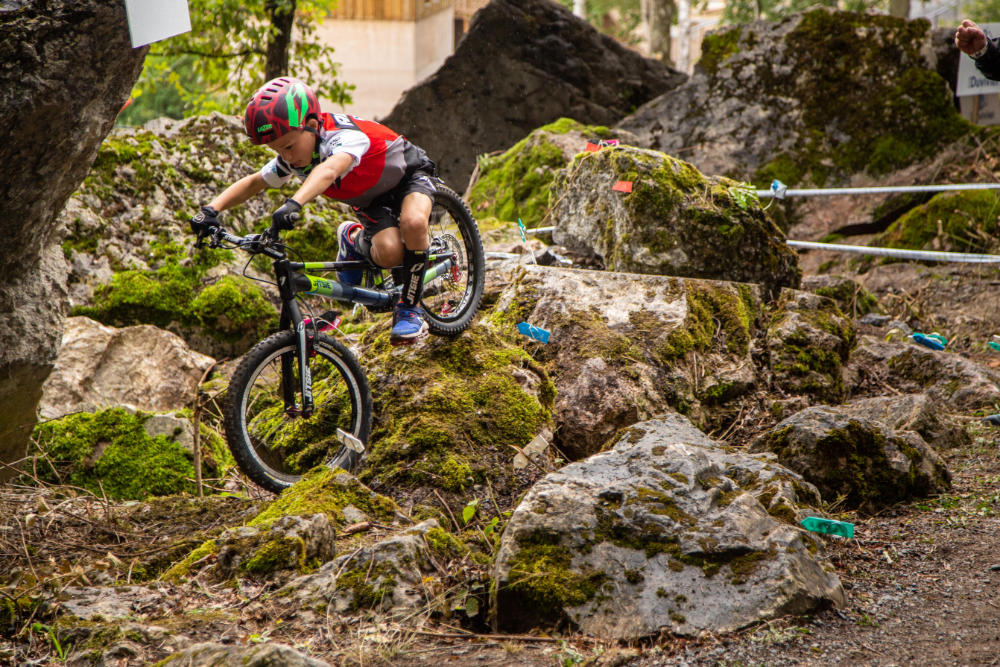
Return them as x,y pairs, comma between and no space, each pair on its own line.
299,398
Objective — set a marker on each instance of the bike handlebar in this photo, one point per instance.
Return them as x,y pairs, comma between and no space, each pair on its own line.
255,244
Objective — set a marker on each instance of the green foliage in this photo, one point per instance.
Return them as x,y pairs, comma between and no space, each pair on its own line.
617,18
110,453
744,11
170,86
221,61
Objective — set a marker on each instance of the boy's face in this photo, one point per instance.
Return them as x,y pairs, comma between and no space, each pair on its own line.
296,147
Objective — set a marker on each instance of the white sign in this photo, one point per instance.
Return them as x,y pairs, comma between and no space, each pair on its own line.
153,20
970,80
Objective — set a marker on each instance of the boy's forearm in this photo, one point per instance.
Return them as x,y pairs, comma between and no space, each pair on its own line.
989,62
323,176
238,192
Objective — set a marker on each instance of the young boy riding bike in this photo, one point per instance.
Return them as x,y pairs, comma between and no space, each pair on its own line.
383,176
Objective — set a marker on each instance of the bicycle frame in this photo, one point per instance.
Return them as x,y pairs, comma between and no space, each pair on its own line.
291,282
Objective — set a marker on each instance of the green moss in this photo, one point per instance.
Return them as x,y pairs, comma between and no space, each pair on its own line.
175,292
516,184
279,554
233,308
715,317
182,569
717,47
873,128
542,574
445,545
110,453
952,222
461,425
325,491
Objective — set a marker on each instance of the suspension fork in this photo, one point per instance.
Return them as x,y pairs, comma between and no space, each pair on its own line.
291,318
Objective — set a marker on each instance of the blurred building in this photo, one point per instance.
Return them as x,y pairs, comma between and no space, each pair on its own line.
386,46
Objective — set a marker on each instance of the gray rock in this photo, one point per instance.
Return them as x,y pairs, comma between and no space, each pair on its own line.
848,456
210,654
385,576
761,100
522,64
100,367
666,532
43,86
808,341
956,383
629,347
913,412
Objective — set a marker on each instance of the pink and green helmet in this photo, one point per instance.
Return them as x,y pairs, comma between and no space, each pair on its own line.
278,107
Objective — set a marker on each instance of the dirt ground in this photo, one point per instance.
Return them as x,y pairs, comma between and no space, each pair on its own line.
922,578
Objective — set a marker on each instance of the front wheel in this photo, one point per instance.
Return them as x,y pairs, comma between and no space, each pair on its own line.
450,300
272,441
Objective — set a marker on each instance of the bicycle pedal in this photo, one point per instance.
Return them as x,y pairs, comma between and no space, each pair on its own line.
350,441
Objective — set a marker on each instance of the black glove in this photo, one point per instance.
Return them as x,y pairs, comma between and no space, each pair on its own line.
285,217
204,221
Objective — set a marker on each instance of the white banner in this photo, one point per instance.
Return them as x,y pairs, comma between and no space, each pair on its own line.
153,20
970,80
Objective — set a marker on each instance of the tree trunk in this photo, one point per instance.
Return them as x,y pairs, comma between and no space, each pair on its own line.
282,15
658,15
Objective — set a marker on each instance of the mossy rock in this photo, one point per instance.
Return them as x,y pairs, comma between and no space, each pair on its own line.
326,491
621,347
110,453
449,413
516,184
854,461
810,340
676,220
964,222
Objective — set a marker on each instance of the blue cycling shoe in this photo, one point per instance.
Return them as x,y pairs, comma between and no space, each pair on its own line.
408,325
347,252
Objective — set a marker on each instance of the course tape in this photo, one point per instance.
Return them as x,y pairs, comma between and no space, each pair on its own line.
780,191
925,255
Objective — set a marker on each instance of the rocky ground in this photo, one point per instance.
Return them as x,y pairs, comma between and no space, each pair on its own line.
921,577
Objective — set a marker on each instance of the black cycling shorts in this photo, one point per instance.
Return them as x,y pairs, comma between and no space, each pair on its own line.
384,210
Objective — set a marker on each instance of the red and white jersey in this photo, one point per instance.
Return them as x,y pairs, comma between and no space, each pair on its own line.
380,159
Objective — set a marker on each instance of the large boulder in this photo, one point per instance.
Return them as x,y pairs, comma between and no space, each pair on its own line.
868,465
676,221
627,347
100,367
523,63
517,184
814,98
667,532
66,68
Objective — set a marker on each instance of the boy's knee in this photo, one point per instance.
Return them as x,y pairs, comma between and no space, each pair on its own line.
412,224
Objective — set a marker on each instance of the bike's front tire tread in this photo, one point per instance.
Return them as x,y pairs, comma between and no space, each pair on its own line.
344,457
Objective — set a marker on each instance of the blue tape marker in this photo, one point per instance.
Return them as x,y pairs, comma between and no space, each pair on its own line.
828,526
933,343
524,239
537,333
995,345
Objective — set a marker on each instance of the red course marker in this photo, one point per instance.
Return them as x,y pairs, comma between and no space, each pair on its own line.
622,186
592,147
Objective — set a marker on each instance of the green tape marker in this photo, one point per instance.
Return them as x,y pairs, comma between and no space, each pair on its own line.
828,526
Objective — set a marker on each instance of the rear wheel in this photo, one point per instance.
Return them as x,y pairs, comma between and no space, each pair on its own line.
272,442
450,300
